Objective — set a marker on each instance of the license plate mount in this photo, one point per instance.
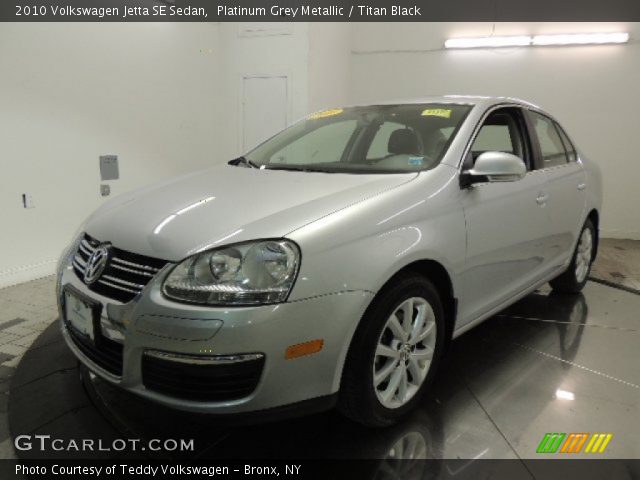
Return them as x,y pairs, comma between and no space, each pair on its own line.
82,314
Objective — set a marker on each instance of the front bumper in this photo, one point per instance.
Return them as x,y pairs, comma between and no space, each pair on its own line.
151,323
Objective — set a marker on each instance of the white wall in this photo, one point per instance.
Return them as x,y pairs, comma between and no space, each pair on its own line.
166,98
71,92
593,90
329,65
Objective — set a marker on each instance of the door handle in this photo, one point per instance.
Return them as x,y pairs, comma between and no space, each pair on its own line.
542,198
582,186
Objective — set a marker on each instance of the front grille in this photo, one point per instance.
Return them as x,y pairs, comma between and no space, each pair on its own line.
125,275
201,382
107,354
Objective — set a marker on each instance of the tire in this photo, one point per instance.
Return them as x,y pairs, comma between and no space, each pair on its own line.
575,277
360,400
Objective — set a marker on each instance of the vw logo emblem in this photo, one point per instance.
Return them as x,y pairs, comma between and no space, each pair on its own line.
96,264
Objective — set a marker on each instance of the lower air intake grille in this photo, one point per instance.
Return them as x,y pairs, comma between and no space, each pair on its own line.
107,354
125,275
201,382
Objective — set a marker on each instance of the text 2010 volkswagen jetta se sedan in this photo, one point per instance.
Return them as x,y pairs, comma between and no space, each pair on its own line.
333,263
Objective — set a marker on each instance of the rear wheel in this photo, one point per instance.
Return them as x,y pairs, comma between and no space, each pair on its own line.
575,277
394,353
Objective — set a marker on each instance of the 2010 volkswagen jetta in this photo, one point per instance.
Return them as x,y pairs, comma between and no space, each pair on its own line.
333,263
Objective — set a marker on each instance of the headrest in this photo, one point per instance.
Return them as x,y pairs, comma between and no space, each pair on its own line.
404,141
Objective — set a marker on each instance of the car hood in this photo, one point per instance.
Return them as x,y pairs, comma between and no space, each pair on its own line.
227,204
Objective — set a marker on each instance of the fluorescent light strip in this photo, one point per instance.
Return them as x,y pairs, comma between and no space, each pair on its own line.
565,395
538,40
581,39
488,42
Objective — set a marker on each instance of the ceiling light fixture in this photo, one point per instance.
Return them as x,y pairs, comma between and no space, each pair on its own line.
488,42
581,39
538,40
565,395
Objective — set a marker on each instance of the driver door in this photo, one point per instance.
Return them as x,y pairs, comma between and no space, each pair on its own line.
507,222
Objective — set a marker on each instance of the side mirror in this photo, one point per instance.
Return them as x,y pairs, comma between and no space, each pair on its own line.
494,167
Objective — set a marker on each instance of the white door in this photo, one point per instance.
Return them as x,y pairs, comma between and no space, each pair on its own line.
264,109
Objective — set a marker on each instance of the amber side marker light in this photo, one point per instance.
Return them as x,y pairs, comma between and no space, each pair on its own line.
302,349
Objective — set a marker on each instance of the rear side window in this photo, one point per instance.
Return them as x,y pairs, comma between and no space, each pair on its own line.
551,146
571,150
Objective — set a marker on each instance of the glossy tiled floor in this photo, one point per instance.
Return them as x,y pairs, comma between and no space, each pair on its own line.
549,363
25,311
619,262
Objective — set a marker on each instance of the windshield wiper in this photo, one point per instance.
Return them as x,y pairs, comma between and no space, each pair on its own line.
299,169
243,161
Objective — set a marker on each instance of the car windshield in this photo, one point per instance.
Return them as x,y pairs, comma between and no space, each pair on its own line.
371,139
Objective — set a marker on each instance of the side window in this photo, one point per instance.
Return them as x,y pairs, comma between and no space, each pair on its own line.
571,150
551,146
325,144
501,132
494,138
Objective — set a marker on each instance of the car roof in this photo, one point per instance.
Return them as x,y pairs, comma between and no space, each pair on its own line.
486,101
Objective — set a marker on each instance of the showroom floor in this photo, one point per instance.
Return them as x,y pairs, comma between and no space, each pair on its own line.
619,262
569,366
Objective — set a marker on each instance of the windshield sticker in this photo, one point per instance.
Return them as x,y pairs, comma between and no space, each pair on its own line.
437,112
415,161
325,113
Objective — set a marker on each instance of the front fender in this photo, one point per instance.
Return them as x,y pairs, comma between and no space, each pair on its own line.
361,247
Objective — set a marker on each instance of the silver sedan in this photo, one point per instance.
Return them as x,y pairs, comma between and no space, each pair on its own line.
334,263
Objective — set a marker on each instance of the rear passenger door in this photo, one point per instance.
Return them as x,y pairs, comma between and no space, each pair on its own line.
566,185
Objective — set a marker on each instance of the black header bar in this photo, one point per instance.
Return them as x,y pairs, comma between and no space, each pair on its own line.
319,10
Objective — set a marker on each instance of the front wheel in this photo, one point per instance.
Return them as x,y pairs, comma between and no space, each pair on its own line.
394,353
575,277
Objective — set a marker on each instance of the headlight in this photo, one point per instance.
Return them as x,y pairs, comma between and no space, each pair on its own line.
65,258
245,274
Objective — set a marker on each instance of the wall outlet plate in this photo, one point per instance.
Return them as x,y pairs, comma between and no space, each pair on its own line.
109,167
105,190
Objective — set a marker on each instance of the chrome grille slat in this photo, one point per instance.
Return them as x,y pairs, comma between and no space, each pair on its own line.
131,270
113,285
123,282
135,265
86,249
88,245
125,275
77,265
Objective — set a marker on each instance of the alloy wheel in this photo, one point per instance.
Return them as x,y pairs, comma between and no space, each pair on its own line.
404,352
584,255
